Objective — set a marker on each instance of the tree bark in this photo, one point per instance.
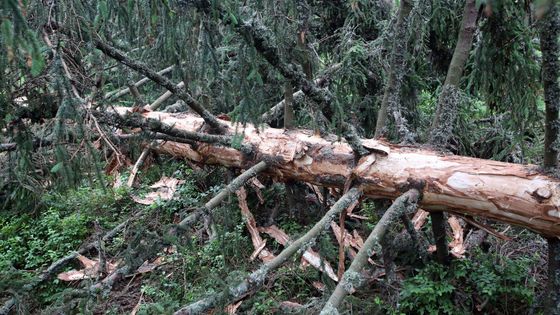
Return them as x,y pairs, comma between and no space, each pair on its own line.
396,72
550,47
440,236
446,112
352,278
449,98
288,106
219,197
511,193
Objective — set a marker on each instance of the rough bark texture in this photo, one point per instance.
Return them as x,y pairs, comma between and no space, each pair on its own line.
391,97
440,236
352,278
446,113
511,193
219,197
449,99
288,106
550,47
111,96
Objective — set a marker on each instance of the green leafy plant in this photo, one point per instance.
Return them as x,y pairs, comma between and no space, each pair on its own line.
498,283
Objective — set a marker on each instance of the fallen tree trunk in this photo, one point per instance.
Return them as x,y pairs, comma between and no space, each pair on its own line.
511,193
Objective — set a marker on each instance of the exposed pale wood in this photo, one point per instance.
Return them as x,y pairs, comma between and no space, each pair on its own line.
116,94
138,165
157,103
511,193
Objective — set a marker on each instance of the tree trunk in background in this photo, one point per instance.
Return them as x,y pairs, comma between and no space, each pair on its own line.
511,193
550,47
288,106
398,63
303,27
440,236
448,101
446,112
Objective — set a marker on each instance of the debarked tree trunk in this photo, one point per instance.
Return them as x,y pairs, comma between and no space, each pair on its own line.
511,193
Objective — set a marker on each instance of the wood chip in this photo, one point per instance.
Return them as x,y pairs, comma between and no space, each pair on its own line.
457,245
258,243
165,189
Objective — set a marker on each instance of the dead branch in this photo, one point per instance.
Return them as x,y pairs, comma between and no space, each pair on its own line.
229,189
161,80
138,164
157,103
56,266
111,96
257,278
352,279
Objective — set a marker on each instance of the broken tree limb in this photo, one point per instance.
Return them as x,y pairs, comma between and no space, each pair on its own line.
256,278
352,279
157,103
230,189
116,94
258,243
309,256
138,164
512,193
161,80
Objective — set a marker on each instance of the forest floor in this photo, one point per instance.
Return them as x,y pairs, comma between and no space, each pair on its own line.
497,276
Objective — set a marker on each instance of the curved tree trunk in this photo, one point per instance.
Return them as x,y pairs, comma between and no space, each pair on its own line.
512,193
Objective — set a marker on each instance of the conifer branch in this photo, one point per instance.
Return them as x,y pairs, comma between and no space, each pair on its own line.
256,279
352,278
161,80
